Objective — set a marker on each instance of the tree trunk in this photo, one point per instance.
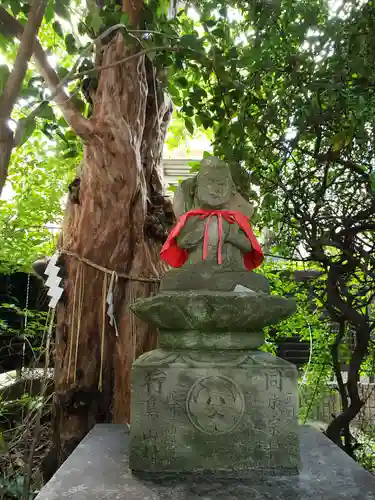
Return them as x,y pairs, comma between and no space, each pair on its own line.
341,309
6,146
121,174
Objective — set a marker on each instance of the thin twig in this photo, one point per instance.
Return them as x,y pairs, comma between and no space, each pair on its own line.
121,61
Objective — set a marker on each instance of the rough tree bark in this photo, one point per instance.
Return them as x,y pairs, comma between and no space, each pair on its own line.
118,183
117,222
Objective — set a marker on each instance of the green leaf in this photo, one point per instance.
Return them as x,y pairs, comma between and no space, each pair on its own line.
182,82
268,200
62,72
82,29
29,125
194,166
29,92
189,125
70,44
372,181
4,73
58,29
191,42
197,95
233,53
205,119
71,153
188,110
70,135
5,43
16,8
46,112
152,53
94,19
219,33
341,140
78,103
61,122
124,19
162,8
176,98
48,14
62,8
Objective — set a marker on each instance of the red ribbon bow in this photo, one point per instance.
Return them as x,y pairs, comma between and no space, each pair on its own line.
176,256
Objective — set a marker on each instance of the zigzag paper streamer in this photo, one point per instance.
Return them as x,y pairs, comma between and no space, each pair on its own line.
53,281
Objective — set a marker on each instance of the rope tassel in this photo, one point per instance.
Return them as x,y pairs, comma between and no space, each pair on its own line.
104,307
72,330
77,307
80,307
110,311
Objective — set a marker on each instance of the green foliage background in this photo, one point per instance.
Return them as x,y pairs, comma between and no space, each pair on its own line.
285,91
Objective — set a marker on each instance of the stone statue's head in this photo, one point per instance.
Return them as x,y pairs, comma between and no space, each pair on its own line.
214,184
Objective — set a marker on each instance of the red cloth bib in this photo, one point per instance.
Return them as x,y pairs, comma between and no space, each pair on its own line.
176,256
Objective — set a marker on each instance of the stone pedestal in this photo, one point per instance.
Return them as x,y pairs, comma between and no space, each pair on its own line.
207,401
232,412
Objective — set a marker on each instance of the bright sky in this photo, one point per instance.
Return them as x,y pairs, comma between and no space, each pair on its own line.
7,192
192,148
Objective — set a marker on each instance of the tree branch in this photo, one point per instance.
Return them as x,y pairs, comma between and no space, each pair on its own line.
10,27
13,84
336,364
337,305
120,61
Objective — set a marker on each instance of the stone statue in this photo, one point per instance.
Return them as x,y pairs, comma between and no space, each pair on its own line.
214,236
207,400
212,187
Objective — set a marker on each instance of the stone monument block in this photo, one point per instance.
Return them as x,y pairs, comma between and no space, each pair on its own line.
234,412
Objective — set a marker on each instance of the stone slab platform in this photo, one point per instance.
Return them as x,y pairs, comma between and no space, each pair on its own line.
98,469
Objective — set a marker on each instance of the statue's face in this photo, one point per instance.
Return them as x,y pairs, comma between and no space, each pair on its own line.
214,188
